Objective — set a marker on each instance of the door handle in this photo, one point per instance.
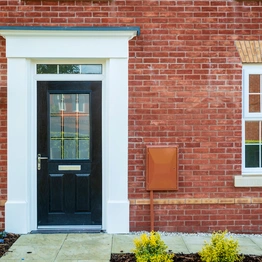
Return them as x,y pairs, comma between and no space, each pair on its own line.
39,158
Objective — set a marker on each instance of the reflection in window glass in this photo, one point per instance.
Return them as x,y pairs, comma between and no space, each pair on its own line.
254,94
253,144
55,103
55,149
252,132
252,156
55,126
84,127
69,149
46,69
69,126
83,149
81,104
68,69
254,103
91,69
254,84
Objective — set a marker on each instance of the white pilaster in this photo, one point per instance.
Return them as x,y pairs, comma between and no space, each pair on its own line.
16,217
117,147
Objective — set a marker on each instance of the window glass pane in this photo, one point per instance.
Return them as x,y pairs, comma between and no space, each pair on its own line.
91,69
55,103
46,69
55,149
252,155
83,103
84,149
70,101
252,132
70,127
69,69
55,126
254,83
84,126
254,94
69,149
254,103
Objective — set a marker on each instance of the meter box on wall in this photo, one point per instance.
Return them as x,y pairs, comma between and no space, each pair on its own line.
161,168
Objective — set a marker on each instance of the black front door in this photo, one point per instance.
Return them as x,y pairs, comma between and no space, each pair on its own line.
69,160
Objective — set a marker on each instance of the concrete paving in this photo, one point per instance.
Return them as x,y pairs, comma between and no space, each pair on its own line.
98,247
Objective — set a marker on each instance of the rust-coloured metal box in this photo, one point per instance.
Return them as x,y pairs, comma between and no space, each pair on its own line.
162,168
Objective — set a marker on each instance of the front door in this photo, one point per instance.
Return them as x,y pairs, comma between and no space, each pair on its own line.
69,148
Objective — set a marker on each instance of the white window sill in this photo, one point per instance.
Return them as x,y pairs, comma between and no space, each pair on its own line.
248,181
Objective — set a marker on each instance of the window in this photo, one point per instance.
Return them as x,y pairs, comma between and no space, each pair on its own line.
68,69
252,120
69,126
251,128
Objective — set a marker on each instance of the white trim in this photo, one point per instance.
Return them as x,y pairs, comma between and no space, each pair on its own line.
76,44
23,50
69,77
248,181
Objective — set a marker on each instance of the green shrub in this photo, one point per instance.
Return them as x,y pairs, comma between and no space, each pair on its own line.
221,249
151,248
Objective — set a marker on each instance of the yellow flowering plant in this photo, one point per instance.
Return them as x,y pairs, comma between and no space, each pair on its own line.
221,249
151,248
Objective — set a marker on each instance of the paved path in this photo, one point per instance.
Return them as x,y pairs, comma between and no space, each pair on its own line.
98,247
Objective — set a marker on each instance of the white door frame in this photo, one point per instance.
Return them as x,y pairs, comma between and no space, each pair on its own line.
23,49
69,77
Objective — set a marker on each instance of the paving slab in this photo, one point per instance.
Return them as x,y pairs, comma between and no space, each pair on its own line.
41,240
195,243
123,243
39,253
257,240
175,244
86,247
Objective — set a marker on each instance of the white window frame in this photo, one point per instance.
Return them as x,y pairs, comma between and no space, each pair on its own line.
251,177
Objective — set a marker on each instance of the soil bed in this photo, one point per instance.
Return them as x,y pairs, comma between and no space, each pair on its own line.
178,258
9,240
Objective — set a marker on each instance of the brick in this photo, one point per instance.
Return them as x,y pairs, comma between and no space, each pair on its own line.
242,200
142,201
161,201
256,200
177,201
209,201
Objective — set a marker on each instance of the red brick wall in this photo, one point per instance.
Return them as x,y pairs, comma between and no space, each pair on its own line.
3,130
184,89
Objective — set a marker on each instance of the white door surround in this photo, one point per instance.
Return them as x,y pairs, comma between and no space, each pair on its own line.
25,47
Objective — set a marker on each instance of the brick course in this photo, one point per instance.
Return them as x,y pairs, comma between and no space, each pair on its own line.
184,89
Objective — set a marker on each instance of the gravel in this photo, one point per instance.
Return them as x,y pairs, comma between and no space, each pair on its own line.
162,233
